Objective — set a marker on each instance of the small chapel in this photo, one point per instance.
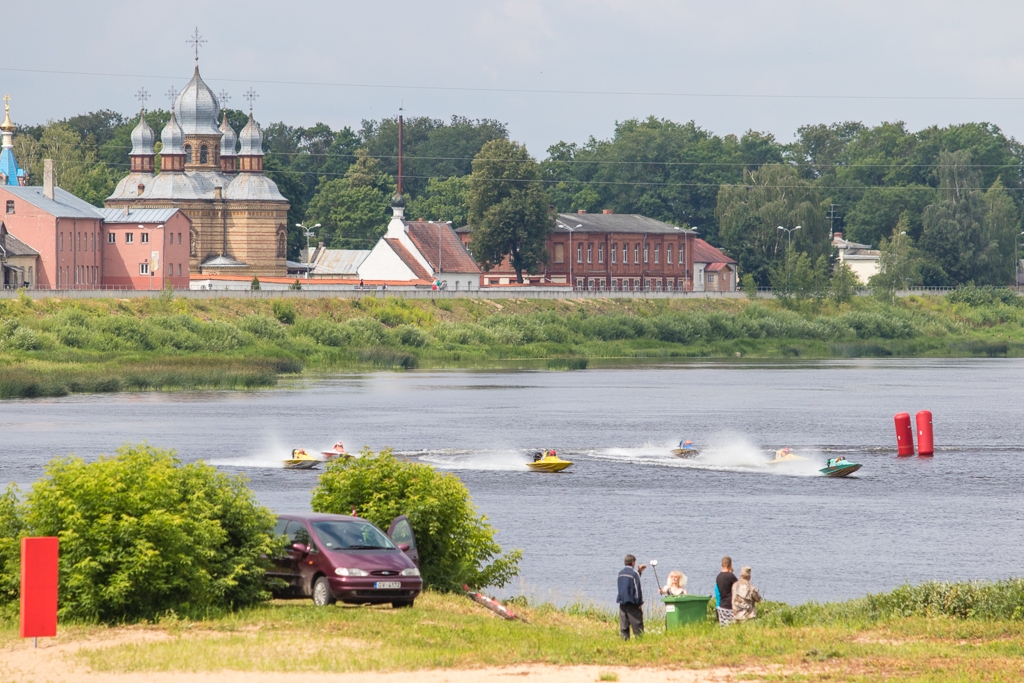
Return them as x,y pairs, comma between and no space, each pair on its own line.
215,176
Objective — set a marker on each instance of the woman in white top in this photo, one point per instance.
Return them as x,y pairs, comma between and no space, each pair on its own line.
676,584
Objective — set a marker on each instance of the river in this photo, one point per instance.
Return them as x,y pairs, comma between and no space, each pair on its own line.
959,515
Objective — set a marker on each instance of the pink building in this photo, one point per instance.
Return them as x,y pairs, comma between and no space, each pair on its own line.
65,230
144,248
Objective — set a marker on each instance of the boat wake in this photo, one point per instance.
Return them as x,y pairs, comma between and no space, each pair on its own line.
507,460
730,454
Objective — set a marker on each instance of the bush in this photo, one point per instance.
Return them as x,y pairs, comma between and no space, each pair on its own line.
456,545
263,327
142,535
984,296
283,311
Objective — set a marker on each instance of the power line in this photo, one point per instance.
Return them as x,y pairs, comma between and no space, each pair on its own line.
539,91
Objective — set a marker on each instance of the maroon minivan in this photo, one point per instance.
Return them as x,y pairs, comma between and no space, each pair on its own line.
337,557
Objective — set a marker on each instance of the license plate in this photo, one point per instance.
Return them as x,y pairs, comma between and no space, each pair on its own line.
387,584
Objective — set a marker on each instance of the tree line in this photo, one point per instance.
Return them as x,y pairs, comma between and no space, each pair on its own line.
950,197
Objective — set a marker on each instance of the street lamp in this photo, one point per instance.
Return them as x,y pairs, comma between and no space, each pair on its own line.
571,230
790,233
308,232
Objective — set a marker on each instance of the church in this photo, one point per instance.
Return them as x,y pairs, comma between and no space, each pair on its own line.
215,176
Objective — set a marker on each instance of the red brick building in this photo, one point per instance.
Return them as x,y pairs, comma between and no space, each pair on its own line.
610,252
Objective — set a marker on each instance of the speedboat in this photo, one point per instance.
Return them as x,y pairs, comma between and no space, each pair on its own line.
785,455
686,450
548,461
300,460
839,467
337,451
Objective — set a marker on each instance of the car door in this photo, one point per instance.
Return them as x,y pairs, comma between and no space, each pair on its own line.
401,534
295,558
281,560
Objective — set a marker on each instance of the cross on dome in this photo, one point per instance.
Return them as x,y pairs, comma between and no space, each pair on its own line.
196,41
142,96
171,94
251,95
224,97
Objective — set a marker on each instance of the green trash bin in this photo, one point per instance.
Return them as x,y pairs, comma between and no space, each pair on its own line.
685,609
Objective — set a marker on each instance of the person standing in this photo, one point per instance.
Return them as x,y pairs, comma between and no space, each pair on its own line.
744,597
723,584
631,599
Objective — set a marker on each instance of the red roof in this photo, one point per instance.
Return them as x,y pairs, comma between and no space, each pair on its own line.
454,257
705,253
408,259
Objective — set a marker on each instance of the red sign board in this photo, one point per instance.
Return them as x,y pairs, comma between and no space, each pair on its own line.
38,587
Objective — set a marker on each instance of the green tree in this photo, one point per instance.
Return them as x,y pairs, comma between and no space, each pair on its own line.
999,228
142,535
844,284
899,264
353,210
75,167
749,216
456,545
443,200
951,230
797,278
508,208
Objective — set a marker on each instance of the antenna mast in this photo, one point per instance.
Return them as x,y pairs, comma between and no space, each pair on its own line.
400,151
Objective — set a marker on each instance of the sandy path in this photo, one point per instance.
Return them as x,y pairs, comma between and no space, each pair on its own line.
54,662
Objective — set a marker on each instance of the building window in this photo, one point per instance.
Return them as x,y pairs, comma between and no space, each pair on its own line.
600,253
647,251
668,254
625,254
143,269
188,154
10,206
61,240
179,270
711,277
590,252
129,237
110,238
145,238
579,253
93,240
636,253
179,238
657,253
579,284
204,155
682,254
615,249
559,252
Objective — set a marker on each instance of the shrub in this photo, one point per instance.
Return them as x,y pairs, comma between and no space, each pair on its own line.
389,358
142,535
456,545
24,339
283,311
407,335
324,331
262,326
984,296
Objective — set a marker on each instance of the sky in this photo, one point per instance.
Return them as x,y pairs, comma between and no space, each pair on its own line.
551,71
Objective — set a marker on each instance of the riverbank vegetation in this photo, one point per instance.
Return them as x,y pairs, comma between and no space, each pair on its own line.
871,639
52,347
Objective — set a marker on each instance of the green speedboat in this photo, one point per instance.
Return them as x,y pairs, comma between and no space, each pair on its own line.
839,467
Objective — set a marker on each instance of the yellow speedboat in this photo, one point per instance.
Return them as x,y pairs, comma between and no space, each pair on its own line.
548,461
785,455
300,460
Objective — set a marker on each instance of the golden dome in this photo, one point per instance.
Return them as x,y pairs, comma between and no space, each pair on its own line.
7,126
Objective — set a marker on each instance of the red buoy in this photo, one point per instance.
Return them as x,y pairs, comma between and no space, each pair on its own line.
904,434
925,440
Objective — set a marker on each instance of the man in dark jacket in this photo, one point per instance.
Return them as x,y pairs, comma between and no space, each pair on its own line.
723,584
631,599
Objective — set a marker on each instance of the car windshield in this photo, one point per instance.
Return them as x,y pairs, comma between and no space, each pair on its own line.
351,536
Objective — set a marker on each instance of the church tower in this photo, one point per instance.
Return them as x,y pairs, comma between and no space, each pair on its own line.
196,108
228,146
142,153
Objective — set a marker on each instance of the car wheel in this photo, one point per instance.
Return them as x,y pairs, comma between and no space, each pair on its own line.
322,593
396,604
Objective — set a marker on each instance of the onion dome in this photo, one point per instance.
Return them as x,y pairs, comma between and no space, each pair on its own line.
173,138
251,139
229,142
398,201
196,107
143,137
7,126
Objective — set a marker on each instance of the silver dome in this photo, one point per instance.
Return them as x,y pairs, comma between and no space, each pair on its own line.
128,187
197,108
143,137
253,187
228,143
172,137
251,139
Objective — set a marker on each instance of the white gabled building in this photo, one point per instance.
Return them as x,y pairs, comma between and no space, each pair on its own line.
861,258
420,253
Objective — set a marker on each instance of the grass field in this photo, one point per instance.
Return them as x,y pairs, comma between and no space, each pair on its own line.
52,347
450,632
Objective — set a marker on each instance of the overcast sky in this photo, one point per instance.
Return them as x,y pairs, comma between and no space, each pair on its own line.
725,64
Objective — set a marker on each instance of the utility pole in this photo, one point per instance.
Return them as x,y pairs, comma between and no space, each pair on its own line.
832,220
